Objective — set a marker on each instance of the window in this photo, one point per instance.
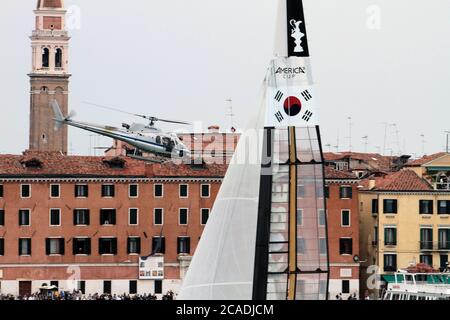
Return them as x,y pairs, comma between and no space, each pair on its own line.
2,217
341,166
158,217
107,217
133,286
133,217
426,206
322,217
1,191
427,259
158,191
81,246
345,218
183,217
206,188
301,191
204,216
375,234
108,191
301,245
25,247
25,191
345,286
55,217
81,217
443,207
184,190
444,239
45,57
390,236
426,238
58,58
184,245
327,192
159,245
345,246
24,217
390,206
2,247
345,192
133,190
134,245
390,262
374,206
323,246
158,286
54,246
107,246
54,191
54,283
81,191
299,217
107,287
82,286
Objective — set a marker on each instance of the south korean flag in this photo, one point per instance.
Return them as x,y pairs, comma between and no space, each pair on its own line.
291,106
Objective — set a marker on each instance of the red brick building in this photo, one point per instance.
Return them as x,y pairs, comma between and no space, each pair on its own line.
343,232
85,221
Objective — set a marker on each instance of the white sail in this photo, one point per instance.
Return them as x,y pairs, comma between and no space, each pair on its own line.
223,264
265,238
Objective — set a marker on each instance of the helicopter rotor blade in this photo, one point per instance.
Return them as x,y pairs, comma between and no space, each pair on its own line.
150,118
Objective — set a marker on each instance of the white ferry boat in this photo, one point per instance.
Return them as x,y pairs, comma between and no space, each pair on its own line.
418,286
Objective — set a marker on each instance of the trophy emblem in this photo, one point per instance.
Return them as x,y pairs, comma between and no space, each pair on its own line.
297,34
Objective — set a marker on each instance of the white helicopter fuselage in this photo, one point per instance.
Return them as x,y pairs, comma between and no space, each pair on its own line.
140,136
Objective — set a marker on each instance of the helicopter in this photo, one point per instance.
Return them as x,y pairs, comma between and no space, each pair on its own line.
146,138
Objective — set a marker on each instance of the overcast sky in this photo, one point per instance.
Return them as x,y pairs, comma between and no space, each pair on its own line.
378,61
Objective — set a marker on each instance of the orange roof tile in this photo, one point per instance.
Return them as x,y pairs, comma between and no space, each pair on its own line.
426,159
404,180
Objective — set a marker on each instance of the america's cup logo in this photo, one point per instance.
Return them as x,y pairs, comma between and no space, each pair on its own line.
297,34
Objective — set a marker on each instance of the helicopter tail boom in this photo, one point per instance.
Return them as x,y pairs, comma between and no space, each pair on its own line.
59,117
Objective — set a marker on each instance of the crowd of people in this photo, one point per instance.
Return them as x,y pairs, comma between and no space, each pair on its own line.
78,295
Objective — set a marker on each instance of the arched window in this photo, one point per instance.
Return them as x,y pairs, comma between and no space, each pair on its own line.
58,58
45,58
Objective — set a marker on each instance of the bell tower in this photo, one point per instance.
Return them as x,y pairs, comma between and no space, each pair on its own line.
49,77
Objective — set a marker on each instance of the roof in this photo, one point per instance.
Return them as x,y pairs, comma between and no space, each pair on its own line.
57,164
376,160
333,174
404,180
426,159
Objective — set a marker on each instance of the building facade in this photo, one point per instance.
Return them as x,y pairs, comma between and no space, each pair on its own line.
405,220
343,233
49,77
84,222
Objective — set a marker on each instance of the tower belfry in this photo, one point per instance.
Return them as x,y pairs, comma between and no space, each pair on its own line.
49,77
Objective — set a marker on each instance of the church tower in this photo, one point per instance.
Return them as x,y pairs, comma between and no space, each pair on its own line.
49,76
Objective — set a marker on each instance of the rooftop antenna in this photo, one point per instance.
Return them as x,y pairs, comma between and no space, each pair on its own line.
447,141
337,142
366,142
423,144
350,124
385,137
397,137
230,112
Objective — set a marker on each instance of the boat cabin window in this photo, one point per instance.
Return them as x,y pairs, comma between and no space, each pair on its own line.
158,139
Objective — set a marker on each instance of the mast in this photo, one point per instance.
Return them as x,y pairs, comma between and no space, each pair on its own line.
291,258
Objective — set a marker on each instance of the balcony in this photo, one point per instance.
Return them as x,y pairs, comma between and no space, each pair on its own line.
49,33
442,186
434,246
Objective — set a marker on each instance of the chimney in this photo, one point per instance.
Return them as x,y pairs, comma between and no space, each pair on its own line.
213,129
372,184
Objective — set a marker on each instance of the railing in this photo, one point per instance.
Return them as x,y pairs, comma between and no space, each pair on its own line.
442,186
435,246
49,33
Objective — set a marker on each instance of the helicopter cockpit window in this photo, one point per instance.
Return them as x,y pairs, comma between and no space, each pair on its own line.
158,139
